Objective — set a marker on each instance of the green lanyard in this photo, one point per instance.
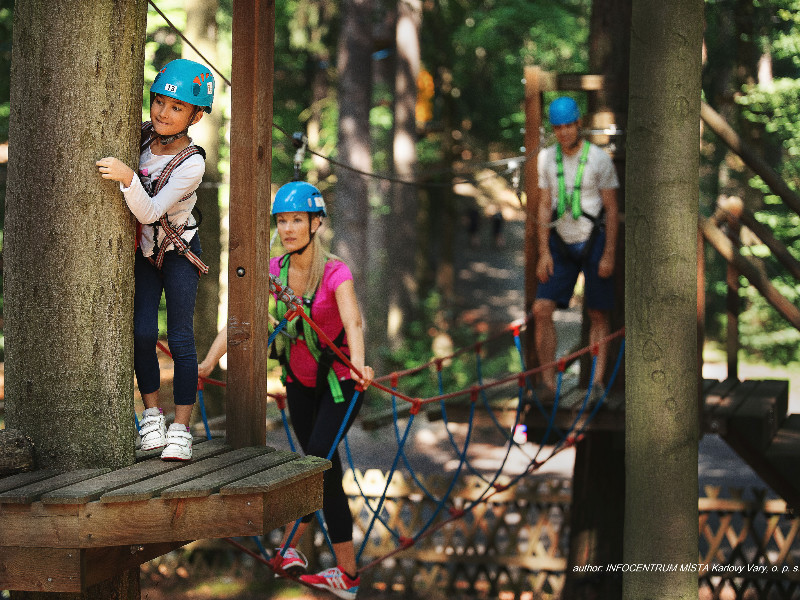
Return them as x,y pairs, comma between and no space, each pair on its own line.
562,186
309,335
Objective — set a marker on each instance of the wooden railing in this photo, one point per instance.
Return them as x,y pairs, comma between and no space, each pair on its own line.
722,231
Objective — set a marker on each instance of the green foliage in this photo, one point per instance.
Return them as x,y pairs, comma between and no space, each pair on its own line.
477,52
772,109
499,358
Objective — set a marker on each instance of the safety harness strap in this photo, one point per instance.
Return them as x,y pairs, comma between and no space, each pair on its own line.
172,233
324,356
575,198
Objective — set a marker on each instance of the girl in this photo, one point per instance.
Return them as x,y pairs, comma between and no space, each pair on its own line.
319,387
167,259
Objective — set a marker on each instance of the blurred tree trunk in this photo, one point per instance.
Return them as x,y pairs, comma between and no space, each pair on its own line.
76,90
201,29
661,297
599,473
402,229
350,207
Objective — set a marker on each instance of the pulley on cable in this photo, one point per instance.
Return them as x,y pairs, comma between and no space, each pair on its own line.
300,142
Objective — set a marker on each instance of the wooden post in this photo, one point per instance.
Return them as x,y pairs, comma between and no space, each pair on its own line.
251,157
732,304
533,123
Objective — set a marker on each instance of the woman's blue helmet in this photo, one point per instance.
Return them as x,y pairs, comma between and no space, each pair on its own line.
563,111
187,81
299,196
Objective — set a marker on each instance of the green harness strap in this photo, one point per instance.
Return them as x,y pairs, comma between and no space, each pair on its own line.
562,186
308,334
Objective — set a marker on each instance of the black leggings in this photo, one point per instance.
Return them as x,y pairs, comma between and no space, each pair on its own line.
316,421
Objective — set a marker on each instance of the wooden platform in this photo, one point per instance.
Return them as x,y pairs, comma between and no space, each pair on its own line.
63,532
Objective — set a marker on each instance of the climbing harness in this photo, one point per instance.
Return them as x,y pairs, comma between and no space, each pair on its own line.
172,234
575,202
575,197
323,355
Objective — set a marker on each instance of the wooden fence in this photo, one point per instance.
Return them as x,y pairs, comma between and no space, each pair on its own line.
516,545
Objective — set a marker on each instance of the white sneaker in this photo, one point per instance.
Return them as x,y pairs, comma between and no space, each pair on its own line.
179,443
153,429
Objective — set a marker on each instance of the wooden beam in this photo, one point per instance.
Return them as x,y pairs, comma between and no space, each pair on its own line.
750,271
720,126
98,524
533,124
71,569
251,157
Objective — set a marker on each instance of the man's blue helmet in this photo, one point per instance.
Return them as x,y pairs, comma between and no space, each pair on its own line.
563,111
187,81
299,196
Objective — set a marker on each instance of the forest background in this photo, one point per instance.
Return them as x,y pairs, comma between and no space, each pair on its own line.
467,124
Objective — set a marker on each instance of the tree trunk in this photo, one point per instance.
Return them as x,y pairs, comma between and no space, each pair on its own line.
201,29
350,208
661,297
76,89
402,229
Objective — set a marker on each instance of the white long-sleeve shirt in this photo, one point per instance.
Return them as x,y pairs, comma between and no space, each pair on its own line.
184,180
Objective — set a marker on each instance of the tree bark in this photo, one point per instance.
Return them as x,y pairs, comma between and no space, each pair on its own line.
350,208
661,297
76,89
402,230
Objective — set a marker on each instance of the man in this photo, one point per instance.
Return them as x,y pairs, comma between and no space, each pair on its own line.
578,215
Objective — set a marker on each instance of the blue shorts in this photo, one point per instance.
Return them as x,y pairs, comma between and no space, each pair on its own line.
568,262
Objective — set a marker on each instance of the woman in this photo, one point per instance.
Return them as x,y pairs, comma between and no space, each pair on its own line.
319,387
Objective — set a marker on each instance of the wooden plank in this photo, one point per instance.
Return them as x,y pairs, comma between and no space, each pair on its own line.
40,569
142,455
211,483
253,46
159,520
755,419
32,492
99,564
721,401
22,479
784,457
151,487
71,570
290,502
86,491
36,524
279,476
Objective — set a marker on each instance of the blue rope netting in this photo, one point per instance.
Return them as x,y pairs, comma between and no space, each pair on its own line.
561,441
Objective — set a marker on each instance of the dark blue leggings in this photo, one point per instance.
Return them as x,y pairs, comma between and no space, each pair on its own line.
178,279
316,421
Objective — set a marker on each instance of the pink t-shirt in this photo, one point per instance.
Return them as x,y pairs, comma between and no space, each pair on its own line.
325,313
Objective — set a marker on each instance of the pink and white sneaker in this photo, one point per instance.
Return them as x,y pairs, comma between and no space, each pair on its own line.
335,581
291,561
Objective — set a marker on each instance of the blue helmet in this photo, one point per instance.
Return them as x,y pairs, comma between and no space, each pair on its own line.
187,81
563,111
299,196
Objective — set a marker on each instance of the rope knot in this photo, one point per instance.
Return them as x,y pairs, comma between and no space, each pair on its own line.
439,366
473,394
595,349
457,513
394,379
280,400
562,365
406,542
416,405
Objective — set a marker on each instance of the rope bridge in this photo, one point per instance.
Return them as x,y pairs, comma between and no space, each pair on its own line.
553,441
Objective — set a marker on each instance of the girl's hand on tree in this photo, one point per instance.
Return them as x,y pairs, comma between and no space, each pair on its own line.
116,170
